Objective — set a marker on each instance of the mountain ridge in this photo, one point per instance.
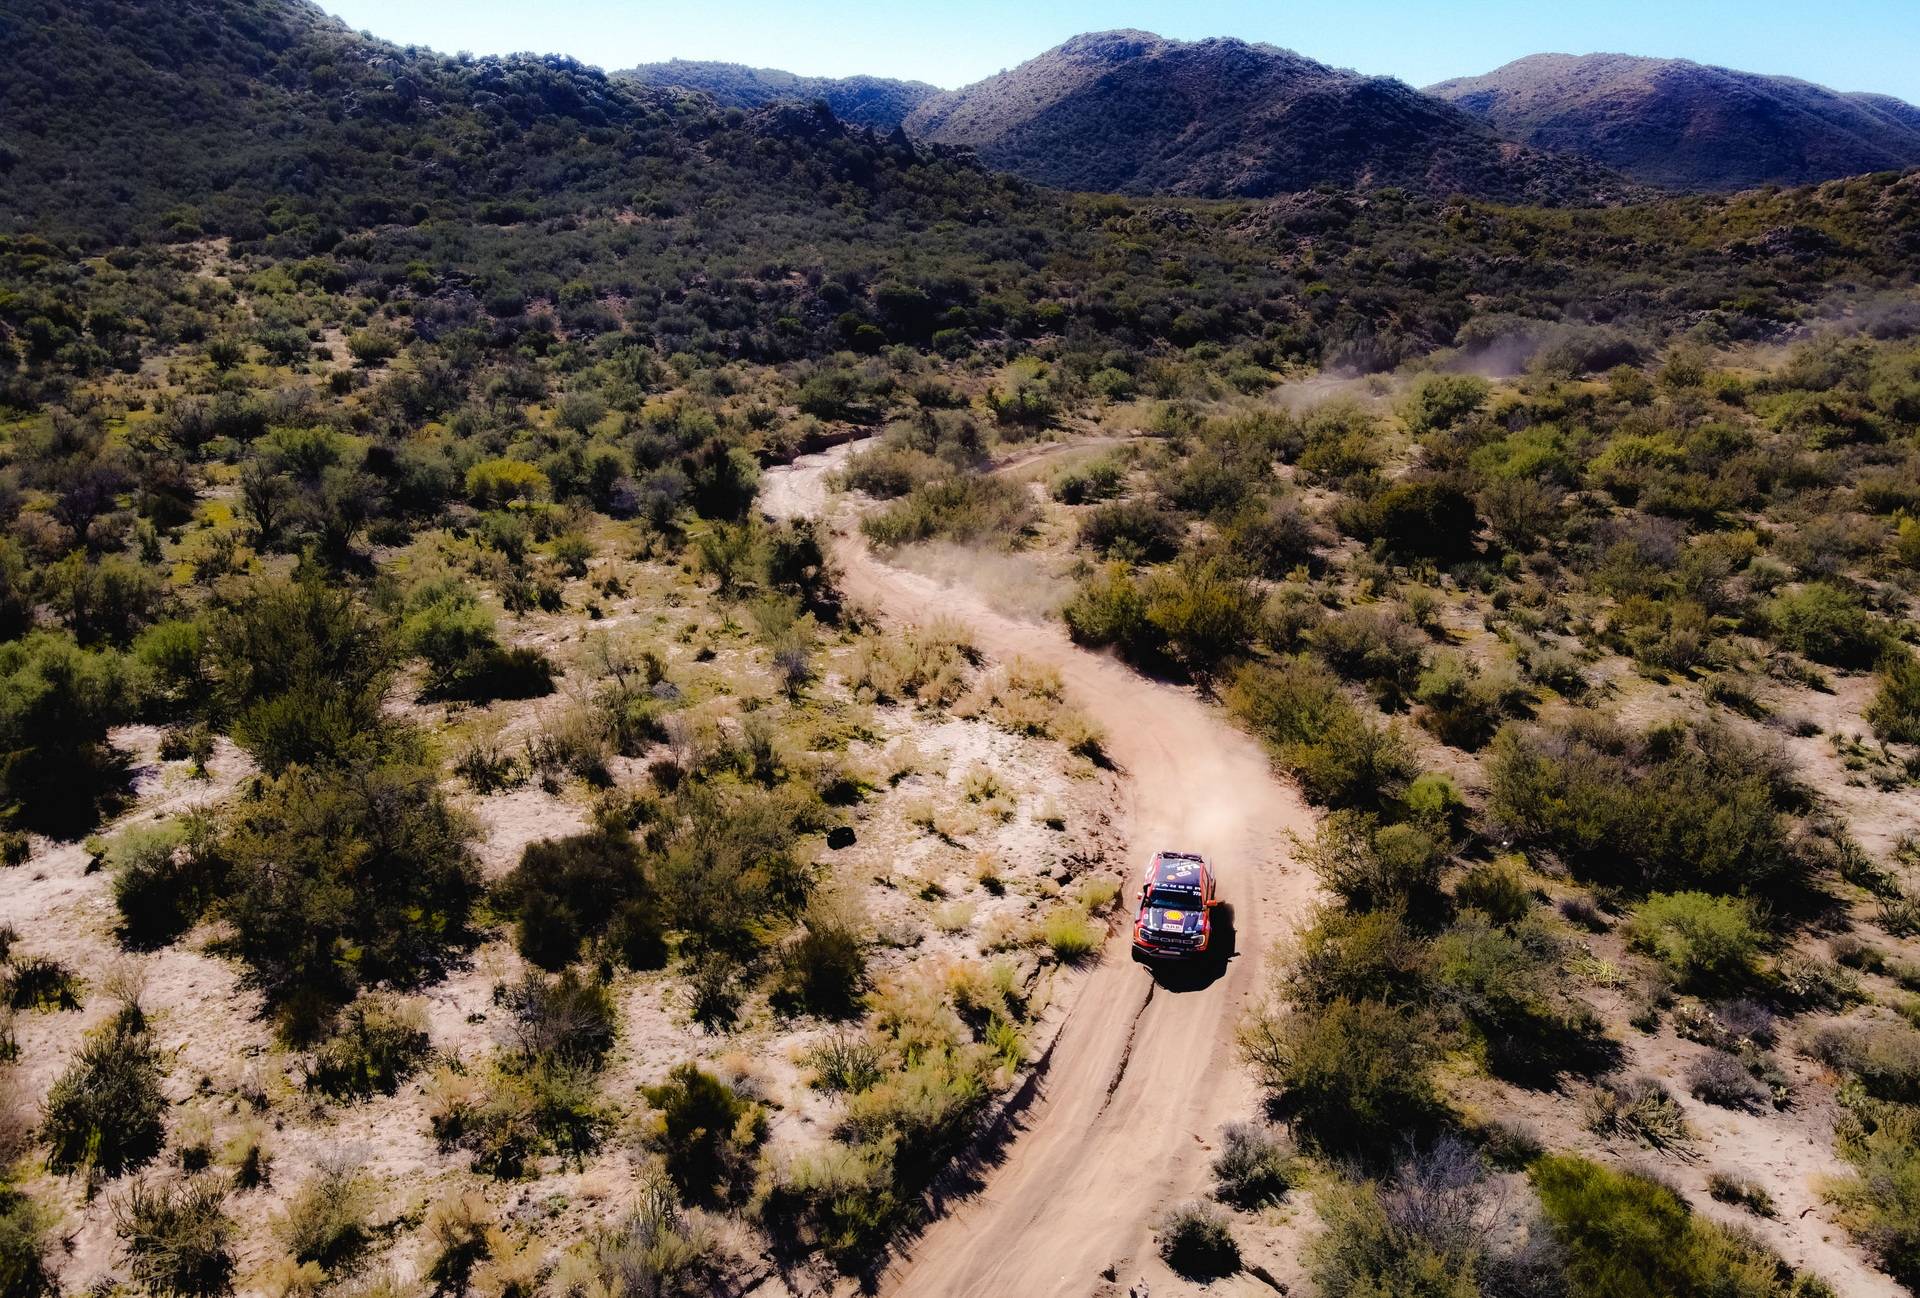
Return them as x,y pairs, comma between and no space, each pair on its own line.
881,103
1128,111
1684,125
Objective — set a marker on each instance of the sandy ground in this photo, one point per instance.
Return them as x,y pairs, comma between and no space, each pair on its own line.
1144,1073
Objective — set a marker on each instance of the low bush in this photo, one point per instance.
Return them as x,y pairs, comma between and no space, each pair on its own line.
1624,1233
567,1020
823,969
24,1246
1070,934
1879,1203
1894,712
1703,939
164,878
1664,810
1196,1241
106,1113
33,982
705,1133
1497,889
1254,1167
1640,1108
1370,866
329,1219
966,510
1721,1079
1136,531
589,888
176,1235
1742,1191
1353,1072
657,1249
845,1064
377,1043
1884,1056
1341,758
1505,985
1826,623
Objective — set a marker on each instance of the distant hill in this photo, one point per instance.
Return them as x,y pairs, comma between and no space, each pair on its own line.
1684,125
269,117
1131,112
860,101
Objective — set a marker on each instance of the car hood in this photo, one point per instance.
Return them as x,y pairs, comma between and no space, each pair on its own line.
1170,919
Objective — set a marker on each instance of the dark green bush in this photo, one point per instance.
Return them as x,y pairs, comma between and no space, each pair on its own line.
981,508
1354,1073
1894,712
1880,1202
1667,809
1497,889
177,1235
164,878
588,888
1196,1241
377,1043
106,1112
1134,530
24,1231
341,879
565,1020
1370,866
1340,757
705,1132
57,702
823,969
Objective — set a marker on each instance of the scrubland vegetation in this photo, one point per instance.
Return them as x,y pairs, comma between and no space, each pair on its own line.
409,725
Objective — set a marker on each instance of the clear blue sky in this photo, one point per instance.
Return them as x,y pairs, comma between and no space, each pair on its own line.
1847,44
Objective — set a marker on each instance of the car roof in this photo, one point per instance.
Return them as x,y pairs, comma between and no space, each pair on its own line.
1179,869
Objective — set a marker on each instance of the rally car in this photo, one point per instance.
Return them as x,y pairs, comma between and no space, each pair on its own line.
1174,923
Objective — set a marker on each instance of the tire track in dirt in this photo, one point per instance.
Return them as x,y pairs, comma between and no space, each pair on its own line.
1143,1074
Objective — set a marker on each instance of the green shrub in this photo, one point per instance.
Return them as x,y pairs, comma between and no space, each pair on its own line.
1727,1187
1705,940
24,1231
1627,1234
33,982
495,484
1439,402
1894,712
1254,1167
1880,1201
823,970
1134,530
1357,956
340,880
303,670
966,510
1668,809
1205,610
1642,1109
566,1020
164,878
328,1221
449,628
705,1132
1826,623
177,1236
657,1249
1354,1072
378,1043
1340,758
1497,889
57,702
846,1065
1418,1247
106,1113
1110,608
889,472
1070,934
1505,983
1196,1241
1370,866
588,888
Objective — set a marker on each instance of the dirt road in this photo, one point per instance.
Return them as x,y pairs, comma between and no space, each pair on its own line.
1143,1074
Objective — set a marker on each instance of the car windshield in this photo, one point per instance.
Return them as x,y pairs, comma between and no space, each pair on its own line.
1168,899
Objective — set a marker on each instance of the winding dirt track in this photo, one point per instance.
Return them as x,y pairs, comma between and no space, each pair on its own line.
1143,1073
